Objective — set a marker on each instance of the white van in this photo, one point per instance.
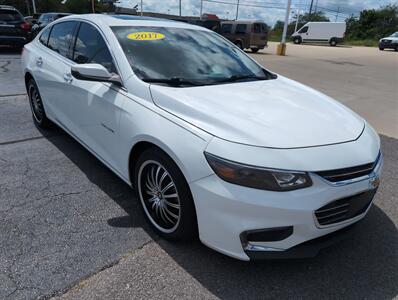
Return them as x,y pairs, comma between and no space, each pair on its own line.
331,32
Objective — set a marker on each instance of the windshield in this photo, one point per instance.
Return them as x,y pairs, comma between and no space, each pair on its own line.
158,54
394,34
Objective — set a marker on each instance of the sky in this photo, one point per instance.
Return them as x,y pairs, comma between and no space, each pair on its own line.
268,10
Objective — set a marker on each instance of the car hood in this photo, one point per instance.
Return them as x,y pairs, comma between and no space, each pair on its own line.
392,38
278,113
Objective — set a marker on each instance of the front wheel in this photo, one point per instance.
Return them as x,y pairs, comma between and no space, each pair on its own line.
381,48
255,50
297,40
165,196
333,43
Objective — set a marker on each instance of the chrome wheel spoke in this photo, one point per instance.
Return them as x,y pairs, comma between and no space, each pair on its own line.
176,206
159,196
171,184
170,213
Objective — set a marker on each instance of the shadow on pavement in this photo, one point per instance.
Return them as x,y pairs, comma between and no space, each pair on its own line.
366,266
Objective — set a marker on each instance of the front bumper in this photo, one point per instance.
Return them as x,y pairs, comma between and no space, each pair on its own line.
226,210
390,45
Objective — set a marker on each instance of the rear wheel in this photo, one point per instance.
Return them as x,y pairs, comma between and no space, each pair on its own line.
36,105
239,44
333,43
297,40
255,50
165,196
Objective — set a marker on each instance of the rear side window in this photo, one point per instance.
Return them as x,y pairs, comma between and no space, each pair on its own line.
304,29
44,36
241,29
8,15
90,47
257,28
226,28
61,38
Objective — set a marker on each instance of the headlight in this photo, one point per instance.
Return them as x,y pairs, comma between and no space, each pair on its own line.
256,177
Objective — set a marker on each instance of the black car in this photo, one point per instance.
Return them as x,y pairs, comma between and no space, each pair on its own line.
14,30
46,19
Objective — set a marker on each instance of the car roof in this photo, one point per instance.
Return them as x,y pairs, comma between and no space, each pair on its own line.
7,7
132,20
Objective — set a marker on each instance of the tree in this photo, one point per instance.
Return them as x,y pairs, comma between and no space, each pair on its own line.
373,23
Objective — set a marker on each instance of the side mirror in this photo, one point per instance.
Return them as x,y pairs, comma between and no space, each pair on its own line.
95,72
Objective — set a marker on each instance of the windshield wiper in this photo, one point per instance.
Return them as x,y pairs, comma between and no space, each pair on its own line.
234,78
174,81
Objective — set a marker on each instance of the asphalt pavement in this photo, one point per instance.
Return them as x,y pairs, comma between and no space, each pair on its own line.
70,228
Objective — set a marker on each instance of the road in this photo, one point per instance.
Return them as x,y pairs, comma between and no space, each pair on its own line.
69,228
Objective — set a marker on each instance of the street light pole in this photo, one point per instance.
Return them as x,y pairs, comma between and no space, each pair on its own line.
201,9
237,10
282,46
180,8
92,6
297,19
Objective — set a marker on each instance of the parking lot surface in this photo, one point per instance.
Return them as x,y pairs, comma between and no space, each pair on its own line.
70,228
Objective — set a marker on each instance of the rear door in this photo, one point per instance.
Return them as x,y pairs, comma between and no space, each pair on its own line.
53,64
241,33
226,31
258,35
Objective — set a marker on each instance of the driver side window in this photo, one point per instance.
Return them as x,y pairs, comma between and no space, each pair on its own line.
90,47
304,29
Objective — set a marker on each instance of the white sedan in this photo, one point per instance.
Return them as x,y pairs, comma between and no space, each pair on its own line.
255,164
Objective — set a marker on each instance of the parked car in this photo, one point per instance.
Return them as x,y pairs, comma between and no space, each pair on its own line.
32,19
14,30
246,34
320,32
46,19
390,42
214,145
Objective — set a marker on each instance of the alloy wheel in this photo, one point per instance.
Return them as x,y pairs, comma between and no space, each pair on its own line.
159,196
36,104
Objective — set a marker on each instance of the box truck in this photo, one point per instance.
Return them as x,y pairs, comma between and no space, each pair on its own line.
320,32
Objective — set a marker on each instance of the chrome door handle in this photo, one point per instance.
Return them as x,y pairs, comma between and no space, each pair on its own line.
39,61
68,77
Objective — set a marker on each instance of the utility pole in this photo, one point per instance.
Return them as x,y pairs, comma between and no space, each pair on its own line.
338,11
316,6
92,6
34,6
142,13
297,19
309,15
180,8
201,9
237,10
281,50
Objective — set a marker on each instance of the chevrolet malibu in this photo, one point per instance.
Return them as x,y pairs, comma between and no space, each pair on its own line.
215,146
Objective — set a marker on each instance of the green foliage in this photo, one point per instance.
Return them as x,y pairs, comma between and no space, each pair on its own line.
373,24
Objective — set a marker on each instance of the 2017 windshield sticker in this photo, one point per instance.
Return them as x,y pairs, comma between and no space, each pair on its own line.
146,36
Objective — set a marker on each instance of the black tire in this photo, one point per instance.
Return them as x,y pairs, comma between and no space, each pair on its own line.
396,48
255,50
239,44
297,40
36,105
333,43
158,202
381,48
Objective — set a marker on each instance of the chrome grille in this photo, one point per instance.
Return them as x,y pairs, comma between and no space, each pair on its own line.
348,173
344,209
